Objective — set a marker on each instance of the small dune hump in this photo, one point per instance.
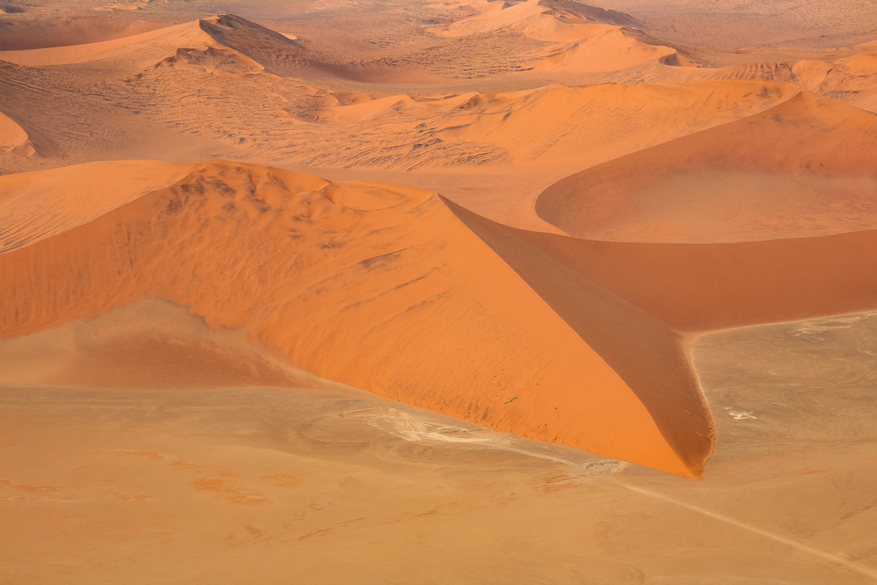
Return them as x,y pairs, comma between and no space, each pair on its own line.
148,344
584,39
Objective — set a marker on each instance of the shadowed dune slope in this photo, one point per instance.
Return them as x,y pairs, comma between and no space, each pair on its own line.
13,138
701,287
803,168
585,39
277,53
373,285
227,32
634,303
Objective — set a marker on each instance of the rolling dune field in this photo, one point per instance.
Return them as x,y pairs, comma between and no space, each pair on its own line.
447,291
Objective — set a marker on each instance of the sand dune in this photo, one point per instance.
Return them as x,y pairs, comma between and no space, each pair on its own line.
850,79
609,50
275,52
545,20
148,344
310,269
38,34
142,49
803,168
584,39
556,126
39,205
635,303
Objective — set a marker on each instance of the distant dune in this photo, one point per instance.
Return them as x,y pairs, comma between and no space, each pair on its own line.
584,39
803,168
140,48
37,34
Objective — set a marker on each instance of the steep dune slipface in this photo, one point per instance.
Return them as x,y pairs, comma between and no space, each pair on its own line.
13,138
647,353
373,285
277,53
804,168
635,303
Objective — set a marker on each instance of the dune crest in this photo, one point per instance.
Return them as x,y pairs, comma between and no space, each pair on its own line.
42,204
143,49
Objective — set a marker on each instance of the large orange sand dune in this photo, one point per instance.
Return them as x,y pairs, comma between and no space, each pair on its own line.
376,286
551,337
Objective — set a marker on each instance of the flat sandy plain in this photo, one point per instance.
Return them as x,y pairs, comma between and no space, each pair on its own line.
438,292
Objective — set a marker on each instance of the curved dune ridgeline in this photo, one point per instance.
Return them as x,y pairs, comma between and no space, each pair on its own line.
805,167
374,285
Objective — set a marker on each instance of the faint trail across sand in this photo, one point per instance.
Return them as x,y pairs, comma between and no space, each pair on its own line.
851,565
